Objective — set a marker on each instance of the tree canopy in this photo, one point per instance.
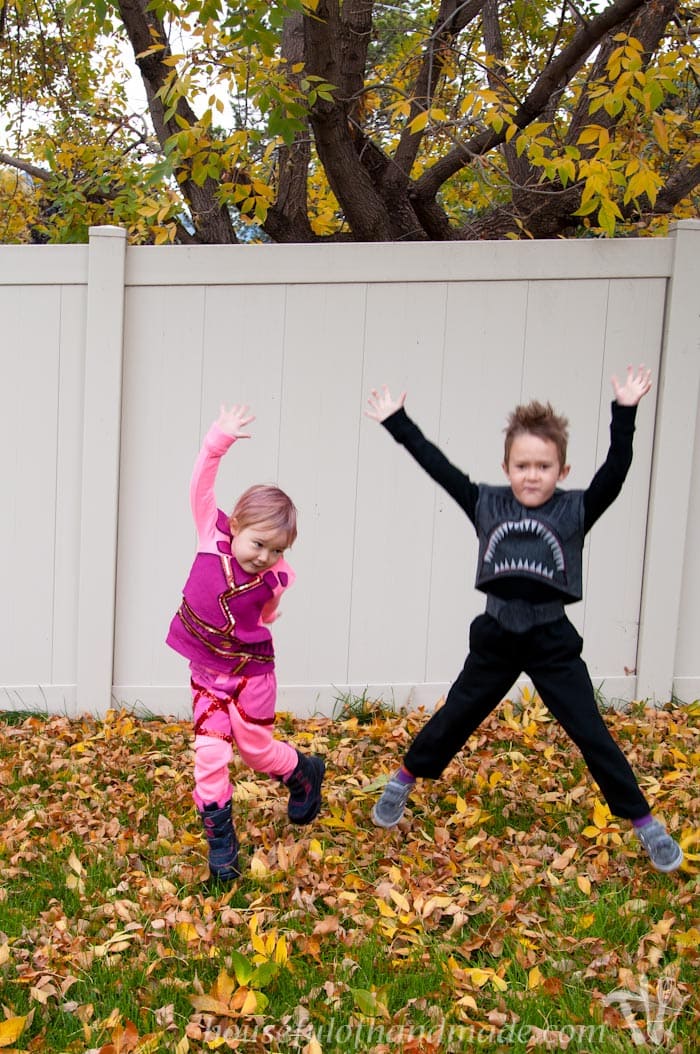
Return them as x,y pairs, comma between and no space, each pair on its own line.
313,120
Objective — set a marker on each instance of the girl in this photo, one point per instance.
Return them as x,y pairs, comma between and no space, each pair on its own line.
231,594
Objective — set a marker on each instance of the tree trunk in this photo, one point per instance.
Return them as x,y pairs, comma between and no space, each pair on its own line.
211,220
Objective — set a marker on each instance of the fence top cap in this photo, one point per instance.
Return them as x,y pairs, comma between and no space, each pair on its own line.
107,231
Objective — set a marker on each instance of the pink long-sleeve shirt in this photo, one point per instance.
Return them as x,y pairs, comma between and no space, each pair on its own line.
220,624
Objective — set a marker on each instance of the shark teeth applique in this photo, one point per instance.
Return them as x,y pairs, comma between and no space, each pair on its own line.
525,546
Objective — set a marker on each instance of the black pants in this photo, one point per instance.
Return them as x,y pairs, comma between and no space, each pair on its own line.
550,655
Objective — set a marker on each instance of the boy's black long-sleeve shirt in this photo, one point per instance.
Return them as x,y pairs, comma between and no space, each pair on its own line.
598,496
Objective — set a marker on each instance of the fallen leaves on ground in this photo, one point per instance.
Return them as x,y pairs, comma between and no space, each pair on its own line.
508,904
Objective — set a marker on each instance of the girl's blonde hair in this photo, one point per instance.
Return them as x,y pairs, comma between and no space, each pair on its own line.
264,504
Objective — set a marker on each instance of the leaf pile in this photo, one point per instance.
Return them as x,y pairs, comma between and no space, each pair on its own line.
507,911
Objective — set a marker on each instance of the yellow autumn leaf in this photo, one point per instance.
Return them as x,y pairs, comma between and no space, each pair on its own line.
186,932
534,978
259,944
258,867
635,906
689,939
11,1029
478,976
691,838
163,886
589,134
400,900
75,864
562,860
118,942
660,131
418,123
281,954
601,814
434,902
584,884
207,1004
224,987
245,1002
481,977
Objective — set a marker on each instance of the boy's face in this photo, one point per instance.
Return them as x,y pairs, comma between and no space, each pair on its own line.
533,469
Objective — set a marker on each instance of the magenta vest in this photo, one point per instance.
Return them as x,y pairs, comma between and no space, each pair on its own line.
218,625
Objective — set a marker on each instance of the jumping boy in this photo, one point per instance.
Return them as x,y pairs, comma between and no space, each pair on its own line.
531,536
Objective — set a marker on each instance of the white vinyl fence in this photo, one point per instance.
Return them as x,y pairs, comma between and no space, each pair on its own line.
115,360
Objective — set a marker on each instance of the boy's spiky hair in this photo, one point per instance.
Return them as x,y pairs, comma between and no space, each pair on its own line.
539,419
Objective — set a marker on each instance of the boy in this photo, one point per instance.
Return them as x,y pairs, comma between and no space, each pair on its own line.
531,537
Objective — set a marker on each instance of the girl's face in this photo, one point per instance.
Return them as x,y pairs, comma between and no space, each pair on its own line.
258,546
533,469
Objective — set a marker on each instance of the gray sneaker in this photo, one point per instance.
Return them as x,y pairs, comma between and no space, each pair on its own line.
389,809
664,851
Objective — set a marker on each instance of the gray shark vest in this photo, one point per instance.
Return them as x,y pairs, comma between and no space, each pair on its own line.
538,545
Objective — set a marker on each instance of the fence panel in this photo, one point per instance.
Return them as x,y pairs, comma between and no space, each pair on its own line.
385,560
40,449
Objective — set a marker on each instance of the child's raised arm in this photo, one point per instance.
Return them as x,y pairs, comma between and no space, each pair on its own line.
383,404
228,427
634,388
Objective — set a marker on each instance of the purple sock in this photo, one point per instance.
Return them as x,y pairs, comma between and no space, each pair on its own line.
643,820
404,776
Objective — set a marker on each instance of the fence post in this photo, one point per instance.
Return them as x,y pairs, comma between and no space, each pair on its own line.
672,465
104,335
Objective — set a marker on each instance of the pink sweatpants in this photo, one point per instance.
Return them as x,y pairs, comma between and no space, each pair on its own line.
222,718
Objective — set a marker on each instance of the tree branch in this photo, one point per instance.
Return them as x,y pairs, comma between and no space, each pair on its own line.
552,78
24,166
521,172
452,17
647,26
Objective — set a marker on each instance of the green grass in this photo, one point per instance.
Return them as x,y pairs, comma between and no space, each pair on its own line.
489,920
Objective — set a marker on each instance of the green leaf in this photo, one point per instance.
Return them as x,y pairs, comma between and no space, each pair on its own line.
243,969
367,1002
263,974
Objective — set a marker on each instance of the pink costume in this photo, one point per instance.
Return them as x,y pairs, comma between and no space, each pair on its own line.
220,627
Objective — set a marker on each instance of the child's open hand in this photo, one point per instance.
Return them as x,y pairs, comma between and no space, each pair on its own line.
382,404
234,421
635,387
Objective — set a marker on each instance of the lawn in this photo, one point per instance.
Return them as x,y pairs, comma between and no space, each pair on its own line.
508,912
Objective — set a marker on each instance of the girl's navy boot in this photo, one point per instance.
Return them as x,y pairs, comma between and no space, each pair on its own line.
222,841
305,788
